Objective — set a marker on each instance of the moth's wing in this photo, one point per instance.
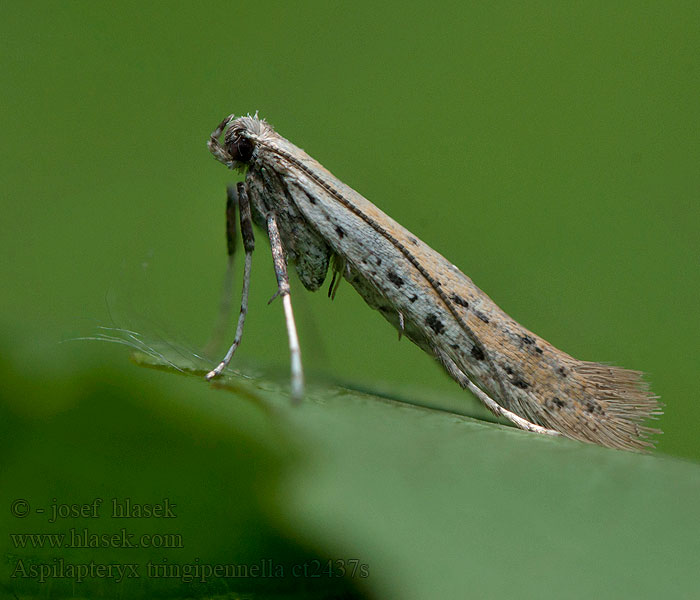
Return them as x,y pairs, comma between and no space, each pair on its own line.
312,258
519,370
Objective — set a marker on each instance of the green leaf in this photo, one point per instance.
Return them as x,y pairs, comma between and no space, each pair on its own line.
418,502
443,505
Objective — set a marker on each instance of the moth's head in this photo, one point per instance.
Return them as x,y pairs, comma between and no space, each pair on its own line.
240,140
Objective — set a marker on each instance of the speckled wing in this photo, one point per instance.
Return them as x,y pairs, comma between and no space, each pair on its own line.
444,312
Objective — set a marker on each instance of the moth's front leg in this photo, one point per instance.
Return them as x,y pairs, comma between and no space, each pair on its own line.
283,289
238,196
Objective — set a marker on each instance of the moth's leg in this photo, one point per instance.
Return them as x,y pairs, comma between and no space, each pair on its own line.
249,245
215,342
331,287
232,203
498,410
283,290
458,375
338,265
215,146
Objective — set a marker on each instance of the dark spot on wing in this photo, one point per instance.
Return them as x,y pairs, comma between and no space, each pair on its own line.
413,298
557,402
519,382
459,300
593,407
455,346
477,353
434,323
339,231
530,341
310,198
379,261
562,371
394,278
481,316
515,379
413,240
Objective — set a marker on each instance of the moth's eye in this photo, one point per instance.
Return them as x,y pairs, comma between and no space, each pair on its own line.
241,149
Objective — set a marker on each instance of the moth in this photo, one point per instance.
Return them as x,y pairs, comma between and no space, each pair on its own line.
320,224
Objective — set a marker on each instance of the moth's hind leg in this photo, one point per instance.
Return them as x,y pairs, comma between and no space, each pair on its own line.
460,377
237,197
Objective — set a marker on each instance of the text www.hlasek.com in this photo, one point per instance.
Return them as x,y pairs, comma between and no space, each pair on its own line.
83,538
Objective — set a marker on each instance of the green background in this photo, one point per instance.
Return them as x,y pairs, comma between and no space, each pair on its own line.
550,150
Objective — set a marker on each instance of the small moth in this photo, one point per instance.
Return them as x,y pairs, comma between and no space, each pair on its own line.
316,221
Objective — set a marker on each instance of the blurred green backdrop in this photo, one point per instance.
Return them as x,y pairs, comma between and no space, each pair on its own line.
550,150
